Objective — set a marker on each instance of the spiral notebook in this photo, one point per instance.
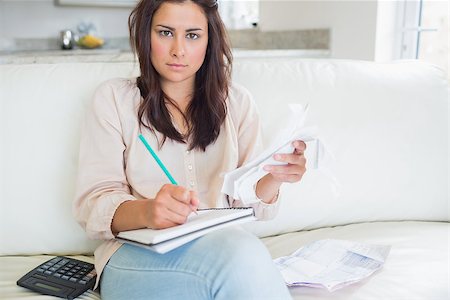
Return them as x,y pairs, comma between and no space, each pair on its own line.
207,220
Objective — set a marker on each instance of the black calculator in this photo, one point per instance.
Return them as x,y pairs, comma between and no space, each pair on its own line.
61,277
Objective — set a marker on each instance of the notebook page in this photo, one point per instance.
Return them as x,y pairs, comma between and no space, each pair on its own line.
204,219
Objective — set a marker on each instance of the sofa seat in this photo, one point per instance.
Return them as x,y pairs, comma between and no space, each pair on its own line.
417,266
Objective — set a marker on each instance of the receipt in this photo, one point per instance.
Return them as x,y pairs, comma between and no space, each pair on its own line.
331,264
239,184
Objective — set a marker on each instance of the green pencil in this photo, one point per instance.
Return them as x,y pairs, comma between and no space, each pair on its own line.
160,163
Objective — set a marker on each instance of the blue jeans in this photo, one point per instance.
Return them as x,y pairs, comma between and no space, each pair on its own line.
226,264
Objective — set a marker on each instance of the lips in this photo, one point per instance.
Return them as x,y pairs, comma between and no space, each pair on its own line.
176,65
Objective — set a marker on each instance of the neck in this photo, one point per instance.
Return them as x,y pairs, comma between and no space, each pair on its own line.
180,92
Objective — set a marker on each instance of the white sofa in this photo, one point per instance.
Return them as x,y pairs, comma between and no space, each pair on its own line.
385,124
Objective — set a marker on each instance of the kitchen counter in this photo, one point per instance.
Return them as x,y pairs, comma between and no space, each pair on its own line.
116,55
65,56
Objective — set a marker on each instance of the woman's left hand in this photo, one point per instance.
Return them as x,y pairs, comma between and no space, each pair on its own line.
267,187
294,169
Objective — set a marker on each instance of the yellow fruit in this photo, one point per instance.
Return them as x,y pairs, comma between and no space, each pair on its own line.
90,41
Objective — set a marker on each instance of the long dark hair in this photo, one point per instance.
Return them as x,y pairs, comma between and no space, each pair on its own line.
207,109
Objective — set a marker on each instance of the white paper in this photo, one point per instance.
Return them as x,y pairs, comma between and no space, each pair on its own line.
239,184
207,220
331,264
174,243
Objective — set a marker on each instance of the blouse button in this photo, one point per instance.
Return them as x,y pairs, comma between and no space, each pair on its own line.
192,183
187,152
189,167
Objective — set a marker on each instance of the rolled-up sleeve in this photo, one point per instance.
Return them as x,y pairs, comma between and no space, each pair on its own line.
250,144
102,184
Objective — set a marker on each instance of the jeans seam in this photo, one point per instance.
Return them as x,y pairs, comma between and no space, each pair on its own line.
209,285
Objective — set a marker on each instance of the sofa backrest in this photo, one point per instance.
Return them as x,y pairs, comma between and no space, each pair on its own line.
386,125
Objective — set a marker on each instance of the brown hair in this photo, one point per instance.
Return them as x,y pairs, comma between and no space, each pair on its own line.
207,110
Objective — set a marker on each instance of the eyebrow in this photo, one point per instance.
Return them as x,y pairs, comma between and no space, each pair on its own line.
173,29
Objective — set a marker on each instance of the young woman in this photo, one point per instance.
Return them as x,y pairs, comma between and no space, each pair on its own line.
202,126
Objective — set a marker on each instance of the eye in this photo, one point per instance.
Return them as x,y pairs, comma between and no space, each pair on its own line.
192,36
165,33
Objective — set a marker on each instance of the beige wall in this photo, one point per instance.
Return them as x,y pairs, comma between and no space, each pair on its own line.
42,19
352,23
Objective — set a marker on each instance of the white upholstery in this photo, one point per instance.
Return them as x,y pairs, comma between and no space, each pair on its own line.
386,124
415,268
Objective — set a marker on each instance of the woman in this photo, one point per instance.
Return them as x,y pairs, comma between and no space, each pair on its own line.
184,105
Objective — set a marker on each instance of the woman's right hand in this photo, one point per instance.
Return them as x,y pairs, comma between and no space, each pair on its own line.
171,206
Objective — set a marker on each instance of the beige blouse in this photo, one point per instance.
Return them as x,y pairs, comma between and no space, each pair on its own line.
114,165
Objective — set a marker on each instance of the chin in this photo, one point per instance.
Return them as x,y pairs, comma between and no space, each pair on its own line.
178,77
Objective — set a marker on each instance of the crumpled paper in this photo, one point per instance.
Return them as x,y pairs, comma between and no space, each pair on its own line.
240,183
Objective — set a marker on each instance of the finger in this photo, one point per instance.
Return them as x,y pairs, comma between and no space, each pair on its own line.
286,169
287,177
194,202
180,193
165,223
180,208
299,147
298,152
175,218
295,159
164,219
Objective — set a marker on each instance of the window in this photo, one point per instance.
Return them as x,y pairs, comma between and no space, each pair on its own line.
425,32
239,14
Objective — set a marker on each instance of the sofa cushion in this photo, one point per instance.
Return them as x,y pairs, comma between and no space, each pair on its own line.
416,268
42,112
387,125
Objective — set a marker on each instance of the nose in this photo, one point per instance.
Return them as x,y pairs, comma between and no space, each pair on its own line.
178,47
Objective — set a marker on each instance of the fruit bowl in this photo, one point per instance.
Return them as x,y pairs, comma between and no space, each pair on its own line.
89,41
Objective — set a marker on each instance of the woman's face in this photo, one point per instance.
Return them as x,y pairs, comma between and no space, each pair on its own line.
179,38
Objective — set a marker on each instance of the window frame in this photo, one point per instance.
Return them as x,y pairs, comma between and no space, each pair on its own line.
411,28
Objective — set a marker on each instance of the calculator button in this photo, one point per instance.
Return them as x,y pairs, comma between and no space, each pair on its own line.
57,275
40,270
65,277
55,260
73,279
48,272
39,276
82,281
